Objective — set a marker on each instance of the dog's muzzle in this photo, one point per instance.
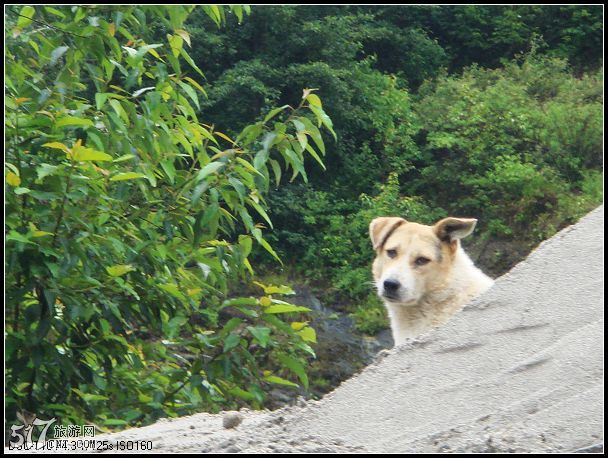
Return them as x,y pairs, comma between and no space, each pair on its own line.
390,289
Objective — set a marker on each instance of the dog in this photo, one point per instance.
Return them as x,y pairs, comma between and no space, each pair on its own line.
422,274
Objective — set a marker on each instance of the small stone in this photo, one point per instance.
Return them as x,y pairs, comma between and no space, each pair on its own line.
232,420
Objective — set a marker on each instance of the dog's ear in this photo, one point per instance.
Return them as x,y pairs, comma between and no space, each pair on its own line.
450,229
381,228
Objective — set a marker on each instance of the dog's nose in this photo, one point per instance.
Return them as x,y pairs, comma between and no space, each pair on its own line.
390,286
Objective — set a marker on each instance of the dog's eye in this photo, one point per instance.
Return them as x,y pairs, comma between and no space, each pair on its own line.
391,253
421,261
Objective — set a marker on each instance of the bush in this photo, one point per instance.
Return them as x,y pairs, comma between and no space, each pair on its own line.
509,144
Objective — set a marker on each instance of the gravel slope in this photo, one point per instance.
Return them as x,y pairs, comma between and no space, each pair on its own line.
518,370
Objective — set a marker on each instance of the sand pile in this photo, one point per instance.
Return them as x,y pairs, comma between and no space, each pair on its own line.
520,369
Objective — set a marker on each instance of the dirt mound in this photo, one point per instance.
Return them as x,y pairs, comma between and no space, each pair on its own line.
518,370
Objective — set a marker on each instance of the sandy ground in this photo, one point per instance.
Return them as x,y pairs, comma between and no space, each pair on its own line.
520,369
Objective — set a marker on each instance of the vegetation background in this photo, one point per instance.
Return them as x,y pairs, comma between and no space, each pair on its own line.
170,170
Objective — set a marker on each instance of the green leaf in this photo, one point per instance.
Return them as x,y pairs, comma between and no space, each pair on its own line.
230,325
276,168
105,325
240,301
82,153
248,166
22,386
323,119
261,334
173,289
25,16
308,334
120,111
274,112
296,367
141,51
126,157
130,51
181,138
246,244
89,397
271,289
173,326
296,162
127,176
188,59
205,133
196,85
115,422
176,43
279,381
119,269
268,248
36,234
285,308
314,100
231,342
299,125
185,35
13,179
314,154
17,237
169,169
239,187
73,121
302,139
214,13
239,392
260,210
314,133
58,145
14,169
209,169
54,11
100,99
238,12
190,92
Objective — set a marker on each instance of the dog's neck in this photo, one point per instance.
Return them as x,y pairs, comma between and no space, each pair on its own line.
435,308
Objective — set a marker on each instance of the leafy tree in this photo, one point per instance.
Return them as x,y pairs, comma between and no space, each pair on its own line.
488,34
130,223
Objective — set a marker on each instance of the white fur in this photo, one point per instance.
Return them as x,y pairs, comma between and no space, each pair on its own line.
434,308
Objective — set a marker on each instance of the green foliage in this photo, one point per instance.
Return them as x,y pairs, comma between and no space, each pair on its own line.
490,34
130,223
520,142
370,316
519,147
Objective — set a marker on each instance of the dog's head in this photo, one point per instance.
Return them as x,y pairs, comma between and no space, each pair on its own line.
413,259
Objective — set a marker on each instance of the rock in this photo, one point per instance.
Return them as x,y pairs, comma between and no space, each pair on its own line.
341,351
232,420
